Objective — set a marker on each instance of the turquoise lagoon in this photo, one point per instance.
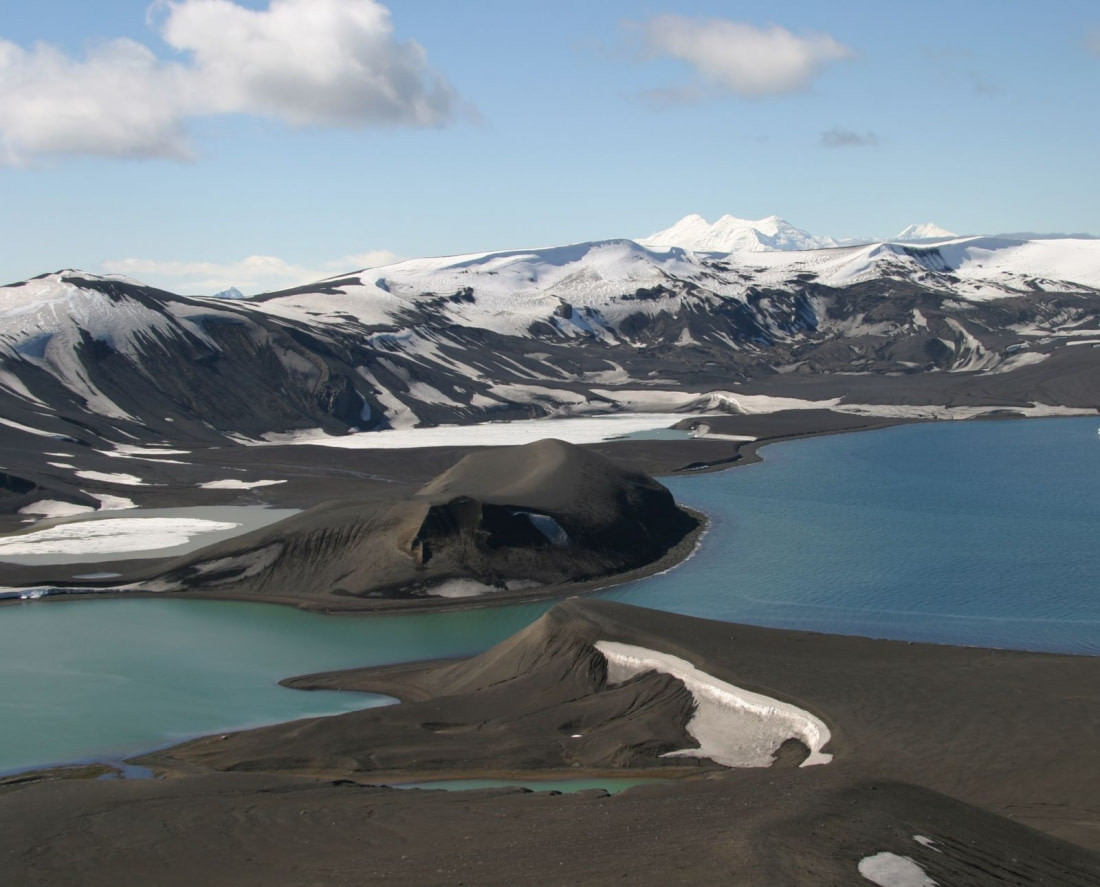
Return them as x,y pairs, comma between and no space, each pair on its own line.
980,533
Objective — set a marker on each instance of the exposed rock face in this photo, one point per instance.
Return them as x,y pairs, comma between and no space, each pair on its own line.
542,514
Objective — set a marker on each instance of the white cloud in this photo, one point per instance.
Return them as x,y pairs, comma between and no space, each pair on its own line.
302,62
118,101
306,62
251,275
741,58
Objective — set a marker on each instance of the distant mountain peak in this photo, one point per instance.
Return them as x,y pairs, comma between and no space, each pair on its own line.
231,293
732,234
925,231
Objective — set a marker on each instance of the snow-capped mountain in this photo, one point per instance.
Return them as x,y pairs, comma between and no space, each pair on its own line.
925,231
231,293
730,234
589,327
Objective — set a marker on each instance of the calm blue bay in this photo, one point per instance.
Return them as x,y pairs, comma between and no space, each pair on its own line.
979,533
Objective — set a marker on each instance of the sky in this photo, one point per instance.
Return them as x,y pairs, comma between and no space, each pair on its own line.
202,144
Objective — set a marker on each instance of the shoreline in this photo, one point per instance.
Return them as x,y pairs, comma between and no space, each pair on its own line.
809,424
1027,803
982,751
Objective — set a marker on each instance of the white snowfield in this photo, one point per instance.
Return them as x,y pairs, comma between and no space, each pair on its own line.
127,480
576,430
733,726
238,484
54,508
508,291
581,290
110,535
731,234
925,231
891,870
42,321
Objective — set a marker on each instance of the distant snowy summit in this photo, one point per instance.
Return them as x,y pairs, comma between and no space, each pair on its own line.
730,234
231,293
926,231
773,234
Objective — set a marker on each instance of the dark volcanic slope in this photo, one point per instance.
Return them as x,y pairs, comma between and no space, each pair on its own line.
944,757
504,519
1003,730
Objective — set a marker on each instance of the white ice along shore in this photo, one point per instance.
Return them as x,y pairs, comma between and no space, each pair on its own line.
733,726
109,536
575,430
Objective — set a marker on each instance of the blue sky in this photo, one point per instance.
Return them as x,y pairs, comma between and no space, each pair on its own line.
198,144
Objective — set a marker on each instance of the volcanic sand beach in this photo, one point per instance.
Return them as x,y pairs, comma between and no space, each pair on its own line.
986,756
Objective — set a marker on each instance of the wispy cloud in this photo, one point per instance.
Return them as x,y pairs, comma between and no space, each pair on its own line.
740,58
302,62
838,137
251,275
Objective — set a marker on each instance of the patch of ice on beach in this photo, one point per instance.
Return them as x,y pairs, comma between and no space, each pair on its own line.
238,484
733,726
909,411
711,401
61,465
129,480
575,430
107,502
702,430
891,870
926,842
110,536
54,508
463,588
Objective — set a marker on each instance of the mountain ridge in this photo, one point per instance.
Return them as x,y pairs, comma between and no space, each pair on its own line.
604,325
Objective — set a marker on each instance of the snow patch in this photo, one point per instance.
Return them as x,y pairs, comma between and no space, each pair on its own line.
577,430
109,478
891,870
733,726
112,535
35,431
54,508
107,502
238,484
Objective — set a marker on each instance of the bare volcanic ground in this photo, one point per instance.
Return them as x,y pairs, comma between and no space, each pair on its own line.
507,521
969,766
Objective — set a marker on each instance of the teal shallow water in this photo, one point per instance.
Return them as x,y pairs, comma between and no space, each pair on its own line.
966,533
110,678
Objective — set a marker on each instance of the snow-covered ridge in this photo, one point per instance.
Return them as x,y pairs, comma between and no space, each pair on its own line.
587,289
730,234
925,231
45,320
